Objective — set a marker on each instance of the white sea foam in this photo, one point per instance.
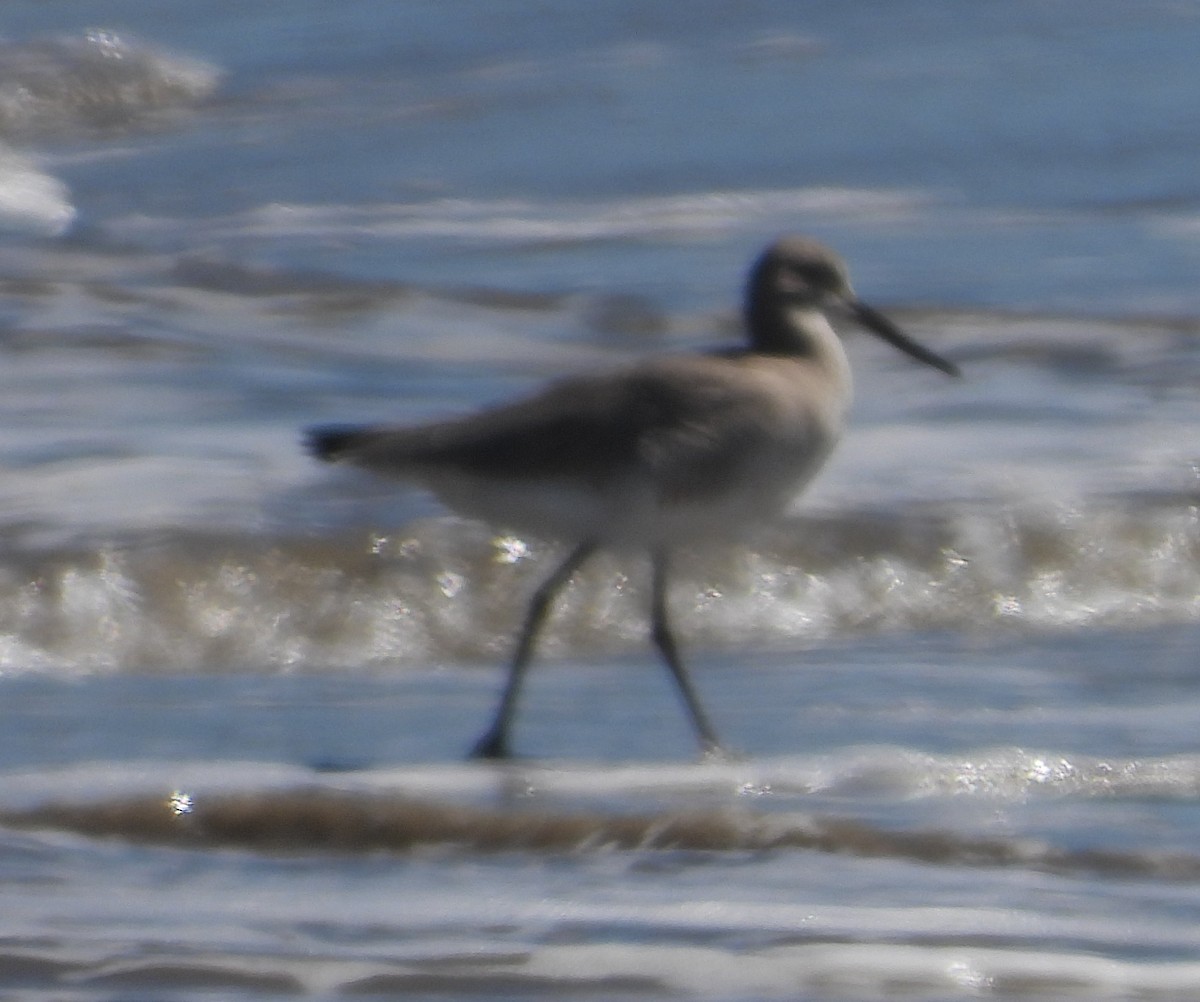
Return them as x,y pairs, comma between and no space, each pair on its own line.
31,200
695,215
94,80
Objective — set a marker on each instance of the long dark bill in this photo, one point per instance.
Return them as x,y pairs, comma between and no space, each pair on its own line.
881,325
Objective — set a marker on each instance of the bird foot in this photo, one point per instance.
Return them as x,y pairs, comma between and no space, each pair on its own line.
714,753
493,745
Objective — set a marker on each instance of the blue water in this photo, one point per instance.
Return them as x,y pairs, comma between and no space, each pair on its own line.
962,681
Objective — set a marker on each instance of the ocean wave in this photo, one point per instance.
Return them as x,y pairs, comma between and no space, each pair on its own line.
549,223
830,969
95,81
446,590
227,824
315,820
761,787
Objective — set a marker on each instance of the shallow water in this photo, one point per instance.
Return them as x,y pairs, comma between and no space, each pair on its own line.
237,689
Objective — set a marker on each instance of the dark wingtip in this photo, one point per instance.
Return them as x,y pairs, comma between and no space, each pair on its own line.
330,442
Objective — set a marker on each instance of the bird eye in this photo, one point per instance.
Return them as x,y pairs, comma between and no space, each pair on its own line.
820,275
810,281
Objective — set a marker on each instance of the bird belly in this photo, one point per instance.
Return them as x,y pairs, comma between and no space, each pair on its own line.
759,493
635,509
550,509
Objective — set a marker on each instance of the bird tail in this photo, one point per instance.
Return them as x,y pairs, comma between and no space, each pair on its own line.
334,442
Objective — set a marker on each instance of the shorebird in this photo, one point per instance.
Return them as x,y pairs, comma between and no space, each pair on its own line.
665,451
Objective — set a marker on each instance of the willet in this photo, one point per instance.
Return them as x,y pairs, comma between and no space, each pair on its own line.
666,451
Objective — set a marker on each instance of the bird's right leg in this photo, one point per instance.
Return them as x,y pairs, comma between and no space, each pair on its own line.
494,743
664,639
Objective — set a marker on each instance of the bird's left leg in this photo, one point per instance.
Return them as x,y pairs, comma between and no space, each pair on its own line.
494,743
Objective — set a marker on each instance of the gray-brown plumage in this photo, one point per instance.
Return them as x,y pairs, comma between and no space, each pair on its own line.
662,452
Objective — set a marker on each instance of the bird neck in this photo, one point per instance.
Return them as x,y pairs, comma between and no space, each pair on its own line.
800,332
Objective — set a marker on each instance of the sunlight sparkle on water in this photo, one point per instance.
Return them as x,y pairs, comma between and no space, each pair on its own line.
510,549
180,802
